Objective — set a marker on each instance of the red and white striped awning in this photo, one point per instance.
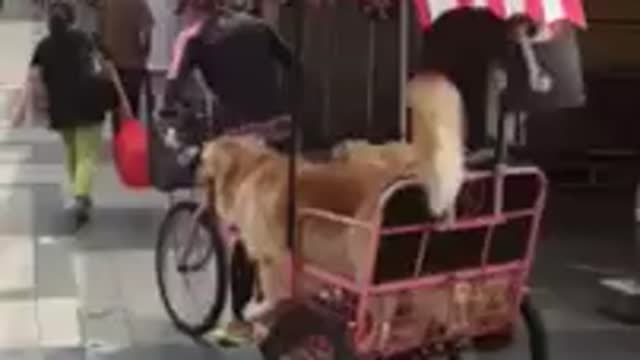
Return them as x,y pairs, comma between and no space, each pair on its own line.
541,11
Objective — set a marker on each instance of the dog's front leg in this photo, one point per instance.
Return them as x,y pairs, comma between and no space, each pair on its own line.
273,274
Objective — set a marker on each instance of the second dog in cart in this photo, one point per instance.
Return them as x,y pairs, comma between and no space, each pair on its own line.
419,285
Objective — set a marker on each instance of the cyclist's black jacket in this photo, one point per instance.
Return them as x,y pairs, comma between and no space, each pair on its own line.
238,56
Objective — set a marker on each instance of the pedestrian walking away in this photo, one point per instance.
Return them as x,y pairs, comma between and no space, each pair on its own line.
125,27
77,98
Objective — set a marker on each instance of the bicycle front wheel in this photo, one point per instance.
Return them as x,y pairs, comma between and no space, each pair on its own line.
191,269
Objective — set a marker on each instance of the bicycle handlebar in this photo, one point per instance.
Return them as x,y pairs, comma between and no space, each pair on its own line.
274,130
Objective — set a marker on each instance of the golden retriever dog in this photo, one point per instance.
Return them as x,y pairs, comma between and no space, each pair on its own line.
436,152
247,184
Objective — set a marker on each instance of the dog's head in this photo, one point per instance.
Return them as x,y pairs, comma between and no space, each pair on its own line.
225,162
219,155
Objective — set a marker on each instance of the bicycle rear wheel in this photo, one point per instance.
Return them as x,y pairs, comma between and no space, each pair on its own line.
190,256
538,340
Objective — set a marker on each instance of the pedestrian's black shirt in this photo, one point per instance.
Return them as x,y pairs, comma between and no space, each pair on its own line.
67,68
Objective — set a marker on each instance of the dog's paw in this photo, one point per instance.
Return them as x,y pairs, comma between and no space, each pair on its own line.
255,311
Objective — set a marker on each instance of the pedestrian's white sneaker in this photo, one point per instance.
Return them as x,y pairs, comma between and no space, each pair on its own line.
69,203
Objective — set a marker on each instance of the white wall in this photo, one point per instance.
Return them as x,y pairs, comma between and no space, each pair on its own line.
165,31
17,9
18,38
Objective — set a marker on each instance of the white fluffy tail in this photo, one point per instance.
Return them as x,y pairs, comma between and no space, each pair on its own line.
438,120
444,180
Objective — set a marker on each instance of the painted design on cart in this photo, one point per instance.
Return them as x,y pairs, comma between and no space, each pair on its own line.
543,11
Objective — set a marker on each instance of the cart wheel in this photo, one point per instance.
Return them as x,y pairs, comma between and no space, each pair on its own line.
301,333
191,269
537,335
243,280
538,342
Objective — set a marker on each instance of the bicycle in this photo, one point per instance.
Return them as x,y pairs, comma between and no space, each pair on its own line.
201,243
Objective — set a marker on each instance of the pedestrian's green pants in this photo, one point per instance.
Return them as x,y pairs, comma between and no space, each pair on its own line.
82,145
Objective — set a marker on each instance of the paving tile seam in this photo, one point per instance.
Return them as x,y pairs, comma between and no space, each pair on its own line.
128,322
38,295
51,335
25,294
51,330
100,315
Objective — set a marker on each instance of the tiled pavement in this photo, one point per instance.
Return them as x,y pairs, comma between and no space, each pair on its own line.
67,295
91,295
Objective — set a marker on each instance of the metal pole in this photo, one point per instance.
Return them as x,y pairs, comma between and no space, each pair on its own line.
637,233
327,81
296,96
495,109
495,114
403,67
371,76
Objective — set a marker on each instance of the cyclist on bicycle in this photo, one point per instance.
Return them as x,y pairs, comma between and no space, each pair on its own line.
237,55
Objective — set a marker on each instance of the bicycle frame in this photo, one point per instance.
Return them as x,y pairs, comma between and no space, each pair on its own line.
228,234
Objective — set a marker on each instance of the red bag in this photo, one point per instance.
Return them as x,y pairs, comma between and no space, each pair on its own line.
129,144
130,154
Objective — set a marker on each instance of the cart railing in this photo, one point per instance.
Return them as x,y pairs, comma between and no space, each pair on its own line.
424,272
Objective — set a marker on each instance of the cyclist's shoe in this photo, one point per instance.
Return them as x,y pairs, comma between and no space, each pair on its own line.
82,210
236,333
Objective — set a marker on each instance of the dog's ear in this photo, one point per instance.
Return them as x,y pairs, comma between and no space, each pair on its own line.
216,158
206,169
250,141
259,140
